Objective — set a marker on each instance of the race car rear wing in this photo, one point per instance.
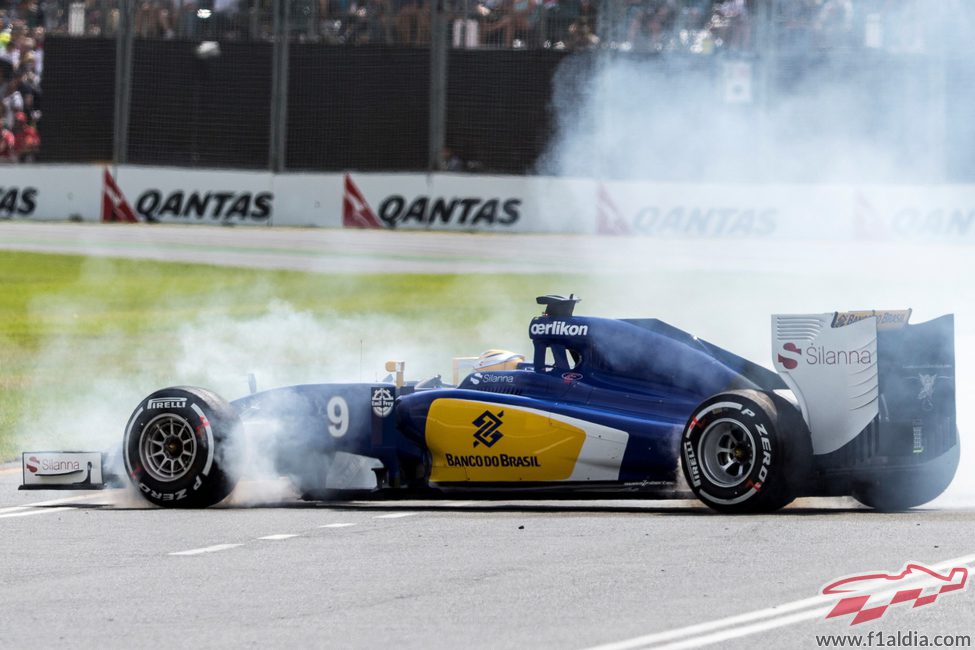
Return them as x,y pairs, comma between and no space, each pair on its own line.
870,370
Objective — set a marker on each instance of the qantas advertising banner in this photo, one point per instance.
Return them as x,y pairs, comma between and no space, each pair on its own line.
49,192
701,211
466,203
156,195
483,203
378,201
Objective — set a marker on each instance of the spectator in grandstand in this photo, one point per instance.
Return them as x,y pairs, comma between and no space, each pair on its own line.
6,70
8,144
581,36
516,20
21,43
29,86
27,141
731,23
8,46
565,20
25,47
412,21
369,22
450,161
690,29
32,13
11,99
652,23
335,16
557,16
38,54
153,20
621,16
378,23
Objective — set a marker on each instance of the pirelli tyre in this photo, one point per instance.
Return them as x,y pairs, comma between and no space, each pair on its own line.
181,447
746,451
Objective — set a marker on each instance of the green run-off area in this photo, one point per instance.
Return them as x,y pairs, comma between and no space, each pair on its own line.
82,339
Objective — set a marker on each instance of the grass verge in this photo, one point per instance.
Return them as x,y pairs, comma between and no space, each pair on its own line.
73,326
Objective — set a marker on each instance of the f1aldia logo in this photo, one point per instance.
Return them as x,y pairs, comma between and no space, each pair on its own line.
488,425
396,210
868,596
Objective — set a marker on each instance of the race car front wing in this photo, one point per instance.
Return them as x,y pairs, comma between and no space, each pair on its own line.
66,470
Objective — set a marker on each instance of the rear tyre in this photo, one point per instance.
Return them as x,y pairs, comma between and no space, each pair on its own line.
901,490
746,451
182,447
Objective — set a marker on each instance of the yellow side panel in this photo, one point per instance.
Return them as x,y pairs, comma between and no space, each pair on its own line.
476,441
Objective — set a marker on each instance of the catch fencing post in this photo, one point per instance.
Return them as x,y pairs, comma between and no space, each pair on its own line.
438,84
767,40
123,81
279,87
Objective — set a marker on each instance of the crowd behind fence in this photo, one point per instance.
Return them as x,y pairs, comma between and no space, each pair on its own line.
697,26
356,83
21,67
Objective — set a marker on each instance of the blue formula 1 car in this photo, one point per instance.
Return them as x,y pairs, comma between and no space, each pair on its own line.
862,404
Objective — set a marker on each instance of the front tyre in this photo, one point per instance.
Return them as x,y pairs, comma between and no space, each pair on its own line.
181,447
746,451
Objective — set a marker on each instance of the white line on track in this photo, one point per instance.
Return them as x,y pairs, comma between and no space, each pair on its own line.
277,537
52,502
343,525
28,513
207,549
396,515
725,629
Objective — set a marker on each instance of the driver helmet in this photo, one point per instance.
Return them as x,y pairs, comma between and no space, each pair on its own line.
498,360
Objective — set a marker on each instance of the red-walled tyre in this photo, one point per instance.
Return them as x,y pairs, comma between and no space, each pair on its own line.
746,451
182,447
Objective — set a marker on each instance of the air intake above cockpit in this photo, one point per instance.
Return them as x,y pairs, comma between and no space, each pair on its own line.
558,306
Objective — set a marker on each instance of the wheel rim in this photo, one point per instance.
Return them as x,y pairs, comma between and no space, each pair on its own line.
168,447
727,452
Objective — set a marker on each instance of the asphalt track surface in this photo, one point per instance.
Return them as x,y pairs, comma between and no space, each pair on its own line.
266,570
102,569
